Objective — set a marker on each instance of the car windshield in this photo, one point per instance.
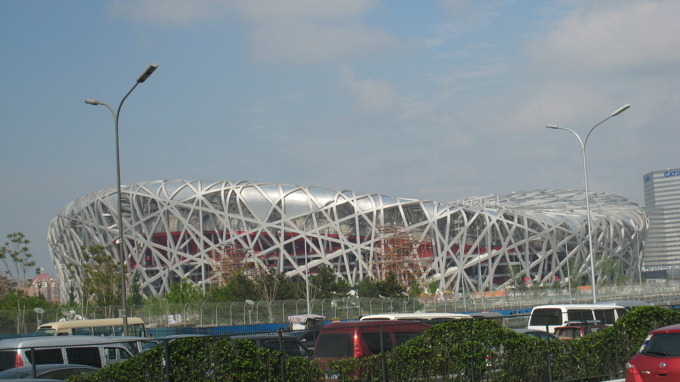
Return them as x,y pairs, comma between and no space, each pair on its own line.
663,344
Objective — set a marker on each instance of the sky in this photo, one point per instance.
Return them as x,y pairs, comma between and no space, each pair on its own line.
434,100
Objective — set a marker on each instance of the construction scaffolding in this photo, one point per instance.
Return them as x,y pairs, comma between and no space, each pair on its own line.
231,260
398,252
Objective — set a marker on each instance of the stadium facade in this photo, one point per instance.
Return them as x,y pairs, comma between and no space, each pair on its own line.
203,230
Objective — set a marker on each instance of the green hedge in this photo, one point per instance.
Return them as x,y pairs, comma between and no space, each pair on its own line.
481,350
460,350
208,359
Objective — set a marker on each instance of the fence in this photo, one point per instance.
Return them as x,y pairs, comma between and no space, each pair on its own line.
233,313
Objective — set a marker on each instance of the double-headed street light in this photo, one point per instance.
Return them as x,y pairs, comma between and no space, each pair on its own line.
121,245
585,177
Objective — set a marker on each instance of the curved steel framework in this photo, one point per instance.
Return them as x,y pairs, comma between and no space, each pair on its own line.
203,230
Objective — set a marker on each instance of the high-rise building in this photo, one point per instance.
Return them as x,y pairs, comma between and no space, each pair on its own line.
662,205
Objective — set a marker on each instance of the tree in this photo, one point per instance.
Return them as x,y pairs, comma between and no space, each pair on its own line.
16,250
367,287
135,297
390,287
326,284
184,291
101,278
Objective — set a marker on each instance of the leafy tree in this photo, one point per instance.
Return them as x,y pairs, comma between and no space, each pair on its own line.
16,250
184,291
390,287
101,278
267,287
326,284
415,289
240,288
135,297
367,287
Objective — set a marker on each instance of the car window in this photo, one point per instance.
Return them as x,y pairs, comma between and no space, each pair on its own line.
663,344
85,355
7,359
552,316
402,337
372,341
333,345
43,356
580,315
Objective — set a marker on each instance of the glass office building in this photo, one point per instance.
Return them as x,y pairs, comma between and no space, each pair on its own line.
662,205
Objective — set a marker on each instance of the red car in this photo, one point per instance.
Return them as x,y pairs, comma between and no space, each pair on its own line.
658,358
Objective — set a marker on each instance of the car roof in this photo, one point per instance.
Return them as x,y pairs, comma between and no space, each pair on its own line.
262,336
48,366
668,329
352,324
23,342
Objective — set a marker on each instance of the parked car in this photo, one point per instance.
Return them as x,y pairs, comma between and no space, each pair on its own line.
658,358
292,346
308,337
57,371
576,330
537,333
359,339
85,350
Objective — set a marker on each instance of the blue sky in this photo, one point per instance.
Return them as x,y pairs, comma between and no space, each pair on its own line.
437,100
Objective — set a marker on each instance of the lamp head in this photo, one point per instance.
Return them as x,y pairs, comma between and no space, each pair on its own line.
620,110
147,73
92,101
552,127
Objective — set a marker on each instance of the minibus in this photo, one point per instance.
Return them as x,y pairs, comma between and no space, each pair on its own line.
548,317
94,327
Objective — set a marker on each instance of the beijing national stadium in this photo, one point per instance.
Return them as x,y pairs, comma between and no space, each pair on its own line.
203,230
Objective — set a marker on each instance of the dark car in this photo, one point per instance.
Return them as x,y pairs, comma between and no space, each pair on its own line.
658,358
308,337
47,371
537,333
292,346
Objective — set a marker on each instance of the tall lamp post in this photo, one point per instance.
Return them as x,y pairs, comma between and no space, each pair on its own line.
585,177
121,251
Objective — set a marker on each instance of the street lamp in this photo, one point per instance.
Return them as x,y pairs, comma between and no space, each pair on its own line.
585,177
116,116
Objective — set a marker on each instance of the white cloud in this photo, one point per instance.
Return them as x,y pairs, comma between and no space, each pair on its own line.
292,31
369,95
307,42
625,36
171,12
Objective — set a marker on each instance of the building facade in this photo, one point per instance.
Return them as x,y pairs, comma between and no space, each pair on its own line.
203,231
662,205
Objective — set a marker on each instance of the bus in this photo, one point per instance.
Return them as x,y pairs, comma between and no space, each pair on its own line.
548,317
95,327
428,318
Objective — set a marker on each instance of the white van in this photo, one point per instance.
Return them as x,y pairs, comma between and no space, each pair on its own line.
84,350
551,316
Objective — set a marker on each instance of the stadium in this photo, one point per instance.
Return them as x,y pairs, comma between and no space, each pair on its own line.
204,231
